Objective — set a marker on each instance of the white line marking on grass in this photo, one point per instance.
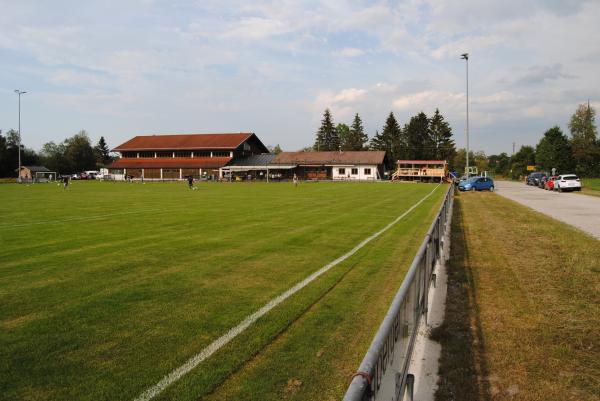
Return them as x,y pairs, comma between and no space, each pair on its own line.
88,218
235,331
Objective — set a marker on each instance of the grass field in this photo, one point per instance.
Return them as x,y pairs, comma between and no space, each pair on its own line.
523,309
591,186
107,287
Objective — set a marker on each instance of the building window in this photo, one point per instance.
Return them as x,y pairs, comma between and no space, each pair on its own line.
341,171
164,154
128,155
354,171
220,154
201,154
146,154
367,171
183,154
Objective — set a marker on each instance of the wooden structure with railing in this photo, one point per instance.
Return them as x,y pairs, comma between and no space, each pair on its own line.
421,170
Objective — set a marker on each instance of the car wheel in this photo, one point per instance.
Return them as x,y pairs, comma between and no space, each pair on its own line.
492,188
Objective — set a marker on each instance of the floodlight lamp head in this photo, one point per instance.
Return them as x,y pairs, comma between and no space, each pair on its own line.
465,56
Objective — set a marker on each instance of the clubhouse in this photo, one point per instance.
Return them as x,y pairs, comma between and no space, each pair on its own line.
175,157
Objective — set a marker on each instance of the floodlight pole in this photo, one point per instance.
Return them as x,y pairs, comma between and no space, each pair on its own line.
19,92
465,57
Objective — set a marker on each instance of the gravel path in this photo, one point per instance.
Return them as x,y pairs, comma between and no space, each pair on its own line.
578,210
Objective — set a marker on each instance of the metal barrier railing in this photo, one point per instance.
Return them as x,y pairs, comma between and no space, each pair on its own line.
383,373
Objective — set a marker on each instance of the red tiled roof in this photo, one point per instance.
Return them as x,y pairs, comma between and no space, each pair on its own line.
330,158
185,141
422,161
168,162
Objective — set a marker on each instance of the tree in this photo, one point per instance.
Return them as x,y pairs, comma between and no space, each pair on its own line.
459,161
389,140
554,151
79,153
53,157
343,132
327,138
481,161
441,138
10,157
277,149
585,146
520,160
357,139
499,164
102,153
417,139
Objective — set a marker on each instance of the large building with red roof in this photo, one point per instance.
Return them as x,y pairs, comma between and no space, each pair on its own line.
172,157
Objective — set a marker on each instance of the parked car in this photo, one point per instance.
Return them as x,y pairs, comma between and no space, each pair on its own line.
534,178
549,184
567,182
477,184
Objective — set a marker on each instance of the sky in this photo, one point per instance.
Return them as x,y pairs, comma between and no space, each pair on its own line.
136,67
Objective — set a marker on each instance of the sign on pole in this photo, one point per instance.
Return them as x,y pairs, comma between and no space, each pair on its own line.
530,168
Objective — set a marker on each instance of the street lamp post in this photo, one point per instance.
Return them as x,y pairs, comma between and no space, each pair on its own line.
19,92
465,57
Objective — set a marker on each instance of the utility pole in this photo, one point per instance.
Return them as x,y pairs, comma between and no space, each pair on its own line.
513,153
465,56
19,92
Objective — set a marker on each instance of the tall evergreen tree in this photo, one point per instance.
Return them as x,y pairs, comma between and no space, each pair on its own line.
389,140
554,151
343,132
586,149
417,138
327,138
357,139
102,153
443,147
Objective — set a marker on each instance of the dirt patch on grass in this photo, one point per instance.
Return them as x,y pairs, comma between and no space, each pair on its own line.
522,315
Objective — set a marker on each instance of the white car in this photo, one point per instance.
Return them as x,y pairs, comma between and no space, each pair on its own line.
567,182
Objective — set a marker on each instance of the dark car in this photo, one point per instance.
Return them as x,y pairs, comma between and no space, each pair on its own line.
542,181
534,178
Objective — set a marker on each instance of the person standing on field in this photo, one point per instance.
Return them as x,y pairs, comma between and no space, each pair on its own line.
190,182
295,179
65,182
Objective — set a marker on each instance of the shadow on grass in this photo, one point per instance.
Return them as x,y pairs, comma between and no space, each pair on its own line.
463,368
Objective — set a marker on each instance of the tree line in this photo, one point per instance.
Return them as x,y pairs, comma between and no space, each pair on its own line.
422,138
73,155
579,153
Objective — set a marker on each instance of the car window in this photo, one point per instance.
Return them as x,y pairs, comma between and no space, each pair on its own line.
570,177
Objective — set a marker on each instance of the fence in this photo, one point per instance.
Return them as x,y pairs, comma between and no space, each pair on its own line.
383,373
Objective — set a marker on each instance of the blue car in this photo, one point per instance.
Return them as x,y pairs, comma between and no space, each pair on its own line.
477,184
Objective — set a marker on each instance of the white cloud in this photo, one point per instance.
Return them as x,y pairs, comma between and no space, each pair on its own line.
349,52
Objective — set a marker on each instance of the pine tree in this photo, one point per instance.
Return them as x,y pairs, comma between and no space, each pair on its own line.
443,147
357,139
327,138
343,132
417,138
102,153
389,140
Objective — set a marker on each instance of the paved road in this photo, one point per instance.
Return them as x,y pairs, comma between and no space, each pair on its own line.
578,210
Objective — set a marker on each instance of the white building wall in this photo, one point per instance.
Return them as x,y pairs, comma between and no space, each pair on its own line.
361,174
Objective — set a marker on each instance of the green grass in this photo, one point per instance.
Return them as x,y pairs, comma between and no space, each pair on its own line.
591,186
107,287
523,309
